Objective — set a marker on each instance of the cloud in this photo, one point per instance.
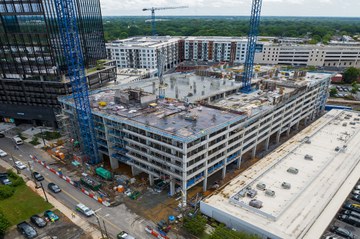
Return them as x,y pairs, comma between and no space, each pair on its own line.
233,7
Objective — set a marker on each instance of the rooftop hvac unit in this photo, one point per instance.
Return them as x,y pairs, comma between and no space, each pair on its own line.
286,185
293,170
251,193
308,157
255,203
261,186
270,193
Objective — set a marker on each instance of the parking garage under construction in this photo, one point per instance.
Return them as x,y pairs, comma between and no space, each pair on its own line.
295,191
201,126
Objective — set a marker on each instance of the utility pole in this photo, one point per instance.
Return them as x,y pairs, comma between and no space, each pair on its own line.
32,175
97,218
42,136
107,236
42,187
13,160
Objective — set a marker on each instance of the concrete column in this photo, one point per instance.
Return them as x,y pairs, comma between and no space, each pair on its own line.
297,125
238,163
253,154
151,180
134,171
172,186
278,137
114,163
288,131
205,184
224,170
267,141
184,194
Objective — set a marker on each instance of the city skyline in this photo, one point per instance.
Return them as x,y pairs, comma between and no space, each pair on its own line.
335,8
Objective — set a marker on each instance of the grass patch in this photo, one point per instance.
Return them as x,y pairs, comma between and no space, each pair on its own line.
35,141
48,135
22,205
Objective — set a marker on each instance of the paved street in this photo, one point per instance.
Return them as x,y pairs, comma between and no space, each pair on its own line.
116,218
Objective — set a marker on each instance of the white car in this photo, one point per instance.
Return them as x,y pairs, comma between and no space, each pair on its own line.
3,153
20,165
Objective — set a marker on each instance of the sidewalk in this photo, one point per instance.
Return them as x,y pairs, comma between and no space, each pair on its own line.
83,224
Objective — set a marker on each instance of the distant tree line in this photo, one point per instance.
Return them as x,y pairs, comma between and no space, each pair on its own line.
319,29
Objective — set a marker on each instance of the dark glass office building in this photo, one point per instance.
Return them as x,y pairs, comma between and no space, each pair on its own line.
32,66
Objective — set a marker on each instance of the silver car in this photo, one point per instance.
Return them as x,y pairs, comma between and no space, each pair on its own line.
20,165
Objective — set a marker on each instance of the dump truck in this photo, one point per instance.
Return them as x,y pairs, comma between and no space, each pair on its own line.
105,174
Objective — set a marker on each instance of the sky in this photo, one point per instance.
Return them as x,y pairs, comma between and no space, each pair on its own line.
342,8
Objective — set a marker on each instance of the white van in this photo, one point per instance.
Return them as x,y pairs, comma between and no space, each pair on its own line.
18,140
84,210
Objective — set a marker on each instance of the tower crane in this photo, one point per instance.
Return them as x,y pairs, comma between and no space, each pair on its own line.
251,45
153,9
70,40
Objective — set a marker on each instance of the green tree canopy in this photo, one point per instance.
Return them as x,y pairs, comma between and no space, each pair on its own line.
351,75
221,232
195,225
333,92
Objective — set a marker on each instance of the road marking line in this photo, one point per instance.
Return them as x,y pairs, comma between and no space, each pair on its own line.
97,209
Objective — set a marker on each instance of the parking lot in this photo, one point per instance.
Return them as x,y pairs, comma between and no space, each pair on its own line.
61,229
343,90
338,223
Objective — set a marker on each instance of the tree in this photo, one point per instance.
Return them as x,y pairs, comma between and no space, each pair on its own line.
221,232
195,225
355,88
351,75
4,223
333,92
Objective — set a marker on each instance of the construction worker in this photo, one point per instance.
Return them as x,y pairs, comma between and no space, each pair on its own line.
72,214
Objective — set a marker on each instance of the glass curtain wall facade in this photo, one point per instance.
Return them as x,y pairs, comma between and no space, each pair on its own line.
30,43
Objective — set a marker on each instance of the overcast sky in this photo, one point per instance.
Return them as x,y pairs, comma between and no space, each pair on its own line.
344,8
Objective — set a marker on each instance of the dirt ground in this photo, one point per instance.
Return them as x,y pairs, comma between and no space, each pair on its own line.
61,229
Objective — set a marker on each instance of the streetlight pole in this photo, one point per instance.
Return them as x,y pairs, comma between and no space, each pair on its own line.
42,136
32,176
107,236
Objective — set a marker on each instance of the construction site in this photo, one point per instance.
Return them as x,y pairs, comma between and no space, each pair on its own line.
201,126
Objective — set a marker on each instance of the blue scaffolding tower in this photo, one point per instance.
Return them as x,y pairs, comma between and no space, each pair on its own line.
251,46
67,21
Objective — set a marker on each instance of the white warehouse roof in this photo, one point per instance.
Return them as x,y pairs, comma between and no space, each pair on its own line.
317,190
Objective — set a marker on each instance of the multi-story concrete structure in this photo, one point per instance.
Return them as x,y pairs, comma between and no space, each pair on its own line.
32,66
295,191
142,52
185,142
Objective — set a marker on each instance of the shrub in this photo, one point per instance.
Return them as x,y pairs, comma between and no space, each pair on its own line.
195,225
6,191
18,182
4,223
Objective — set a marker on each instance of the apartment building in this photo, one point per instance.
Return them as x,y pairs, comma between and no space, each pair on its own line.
186,138
142,52
308,55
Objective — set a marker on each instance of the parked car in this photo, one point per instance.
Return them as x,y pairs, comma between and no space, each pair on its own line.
356,198
356,192
51,215
38,177
124,235
27,230
54,188
3,153
5,180
84,210
342,232
357,187
351,213
20,165
350,219
352,206
2,134
38,221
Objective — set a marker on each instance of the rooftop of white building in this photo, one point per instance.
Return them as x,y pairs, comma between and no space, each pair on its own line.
318,178
173,117
144,42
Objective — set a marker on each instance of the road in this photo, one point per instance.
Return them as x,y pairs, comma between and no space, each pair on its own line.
116,219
